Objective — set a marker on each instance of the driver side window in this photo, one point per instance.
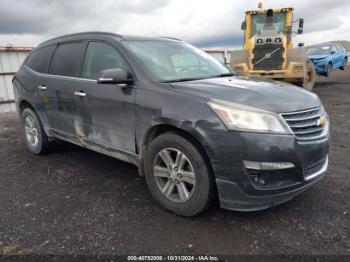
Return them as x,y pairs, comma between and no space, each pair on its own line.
99,57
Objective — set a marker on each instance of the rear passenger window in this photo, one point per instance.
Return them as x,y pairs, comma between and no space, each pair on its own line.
67,59
39,60
100,56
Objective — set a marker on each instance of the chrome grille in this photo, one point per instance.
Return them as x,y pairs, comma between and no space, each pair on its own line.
306,125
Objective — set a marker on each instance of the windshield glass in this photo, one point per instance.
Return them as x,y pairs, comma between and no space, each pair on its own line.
322,49
259,20
175,61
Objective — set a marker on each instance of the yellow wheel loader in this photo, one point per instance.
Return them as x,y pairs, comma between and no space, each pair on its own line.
268,49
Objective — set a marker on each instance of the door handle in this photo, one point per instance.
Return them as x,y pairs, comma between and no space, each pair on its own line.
41,87
81,94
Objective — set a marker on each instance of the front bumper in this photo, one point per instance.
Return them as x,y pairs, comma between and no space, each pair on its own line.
250,190
294,70
320,67
234,198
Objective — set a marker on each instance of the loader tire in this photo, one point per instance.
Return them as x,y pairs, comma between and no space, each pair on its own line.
308,81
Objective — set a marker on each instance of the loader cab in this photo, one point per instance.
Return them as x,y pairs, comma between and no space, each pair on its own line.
259,20
268,48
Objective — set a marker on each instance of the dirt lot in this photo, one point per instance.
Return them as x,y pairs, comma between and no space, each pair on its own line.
75,201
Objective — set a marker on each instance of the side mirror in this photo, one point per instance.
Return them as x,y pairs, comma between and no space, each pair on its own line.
301,26
332,52
244,25
301,23
114,76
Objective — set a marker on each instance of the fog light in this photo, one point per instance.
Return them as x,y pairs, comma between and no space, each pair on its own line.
267,165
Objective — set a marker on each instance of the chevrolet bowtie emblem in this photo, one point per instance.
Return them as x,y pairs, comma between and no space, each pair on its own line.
321,122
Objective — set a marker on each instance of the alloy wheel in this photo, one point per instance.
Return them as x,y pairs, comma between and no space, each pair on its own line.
174,175
31,131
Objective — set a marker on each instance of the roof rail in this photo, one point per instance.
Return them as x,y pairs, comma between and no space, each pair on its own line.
82,33
172,38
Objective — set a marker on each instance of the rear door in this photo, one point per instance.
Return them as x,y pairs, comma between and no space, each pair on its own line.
342,54
62,81
35,78
106,111
338,56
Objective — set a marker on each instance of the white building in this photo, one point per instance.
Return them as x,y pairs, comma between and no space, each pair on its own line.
11,59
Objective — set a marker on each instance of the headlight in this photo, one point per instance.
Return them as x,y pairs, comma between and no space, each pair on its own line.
245,118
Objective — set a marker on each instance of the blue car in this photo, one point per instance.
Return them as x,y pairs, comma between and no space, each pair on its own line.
328,57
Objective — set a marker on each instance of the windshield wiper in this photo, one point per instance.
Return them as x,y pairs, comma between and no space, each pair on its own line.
183,79
197,78
225,75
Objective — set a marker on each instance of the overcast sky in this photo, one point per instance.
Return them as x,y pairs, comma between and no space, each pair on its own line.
200,22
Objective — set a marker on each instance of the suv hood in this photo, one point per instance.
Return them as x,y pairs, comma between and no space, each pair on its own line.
269,95
318,57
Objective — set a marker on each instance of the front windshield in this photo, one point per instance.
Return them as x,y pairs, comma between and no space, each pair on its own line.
175,61
259,21
316,50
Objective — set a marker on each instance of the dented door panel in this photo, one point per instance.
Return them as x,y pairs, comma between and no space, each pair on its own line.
105,116
60,107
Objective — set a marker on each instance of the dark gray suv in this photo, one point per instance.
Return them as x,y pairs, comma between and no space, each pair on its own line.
197,131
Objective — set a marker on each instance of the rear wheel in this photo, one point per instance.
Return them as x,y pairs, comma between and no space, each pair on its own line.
177,175
33,134
345,63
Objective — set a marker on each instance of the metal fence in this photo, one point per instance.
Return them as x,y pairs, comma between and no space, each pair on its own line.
11,59
221,54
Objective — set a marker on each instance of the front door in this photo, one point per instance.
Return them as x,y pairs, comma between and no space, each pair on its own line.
106,111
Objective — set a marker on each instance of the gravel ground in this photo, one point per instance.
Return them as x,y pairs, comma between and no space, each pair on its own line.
75,201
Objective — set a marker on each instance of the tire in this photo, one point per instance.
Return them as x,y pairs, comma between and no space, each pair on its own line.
328,70
200,190
308,81
345,63
33,133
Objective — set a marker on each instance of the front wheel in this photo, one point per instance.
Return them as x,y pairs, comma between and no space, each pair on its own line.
308,81
177,175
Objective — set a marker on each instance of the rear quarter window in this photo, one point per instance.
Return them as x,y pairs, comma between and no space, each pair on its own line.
67,59
39,59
